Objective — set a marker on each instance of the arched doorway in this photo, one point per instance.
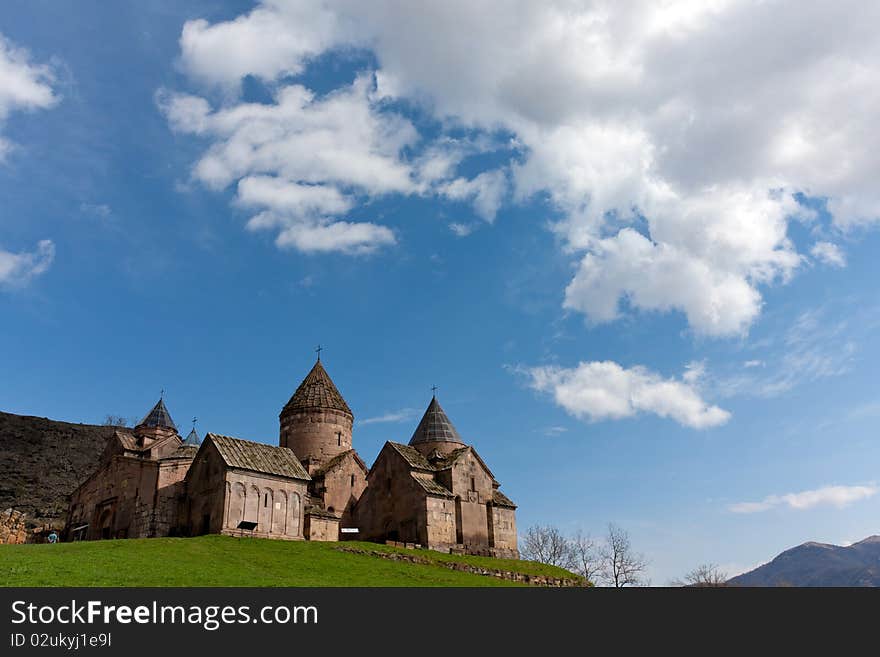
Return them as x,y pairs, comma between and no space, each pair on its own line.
105,524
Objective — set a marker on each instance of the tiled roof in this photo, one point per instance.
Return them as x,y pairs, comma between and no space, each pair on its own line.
432,487
448,460
183,452
435,426
258,457
339,458
128,441
500,499
412,456
317,391
452,457
158,417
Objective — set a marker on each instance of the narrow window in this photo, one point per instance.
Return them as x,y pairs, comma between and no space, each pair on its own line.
339,438
265,500
473,484
352,481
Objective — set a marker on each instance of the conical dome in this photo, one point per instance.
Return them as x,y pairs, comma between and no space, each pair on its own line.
193,438
435,427
158,417
316,391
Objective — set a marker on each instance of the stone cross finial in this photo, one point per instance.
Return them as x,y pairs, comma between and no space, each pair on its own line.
318,351
195,419
434,391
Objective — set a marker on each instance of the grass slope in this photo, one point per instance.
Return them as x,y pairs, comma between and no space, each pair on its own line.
225,561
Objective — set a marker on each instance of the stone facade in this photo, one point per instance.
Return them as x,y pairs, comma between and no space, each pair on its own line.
435,492
448,504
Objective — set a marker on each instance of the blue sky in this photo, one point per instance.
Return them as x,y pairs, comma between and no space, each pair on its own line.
646,290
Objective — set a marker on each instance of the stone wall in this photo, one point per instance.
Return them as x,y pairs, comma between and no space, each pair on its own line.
534,580
503,534
316,435
441,523
393,505
339,488
319,527
13,527
116,501
274,503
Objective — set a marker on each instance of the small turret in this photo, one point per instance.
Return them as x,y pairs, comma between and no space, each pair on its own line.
193,438
156,424
435,436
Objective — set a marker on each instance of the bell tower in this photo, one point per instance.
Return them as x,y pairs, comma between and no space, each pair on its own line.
316,423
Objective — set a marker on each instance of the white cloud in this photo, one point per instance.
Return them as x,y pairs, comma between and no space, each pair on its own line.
270,41
17,269
403,415
486,191
302,160
607,391
24,85
462,230
753,363
829,254
836,496
694,122
351,238
555,431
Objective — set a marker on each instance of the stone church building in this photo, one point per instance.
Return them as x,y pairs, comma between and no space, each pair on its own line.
435,491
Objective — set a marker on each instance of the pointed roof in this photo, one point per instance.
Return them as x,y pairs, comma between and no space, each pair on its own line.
435,427
158,417
193,438
317,391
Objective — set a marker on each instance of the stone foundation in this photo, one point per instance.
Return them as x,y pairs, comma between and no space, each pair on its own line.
533,580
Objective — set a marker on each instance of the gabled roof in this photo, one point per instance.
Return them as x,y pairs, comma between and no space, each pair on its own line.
500,499
128,441
317,391
339,458
258,457
131,443
158,417
435,426
193,438
412,456
432,487
452,458
185,451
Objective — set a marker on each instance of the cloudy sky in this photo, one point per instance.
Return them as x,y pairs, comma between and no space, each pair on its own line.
633,243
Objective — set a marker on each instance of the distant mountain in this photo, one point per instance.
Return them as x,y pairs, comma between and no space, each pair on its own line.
819,564
42,461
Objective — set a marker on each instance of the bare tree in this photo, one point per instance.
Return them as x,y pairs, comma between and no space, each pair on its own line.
547,545
707,574
586,557
619,565
115,421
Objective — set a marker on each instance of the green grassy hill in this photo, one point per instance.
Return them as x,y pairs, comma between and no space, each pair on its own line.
225,561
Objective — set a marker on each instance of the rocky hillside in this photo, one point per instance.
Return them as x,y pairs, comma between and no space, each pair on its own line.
819,564
42,461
